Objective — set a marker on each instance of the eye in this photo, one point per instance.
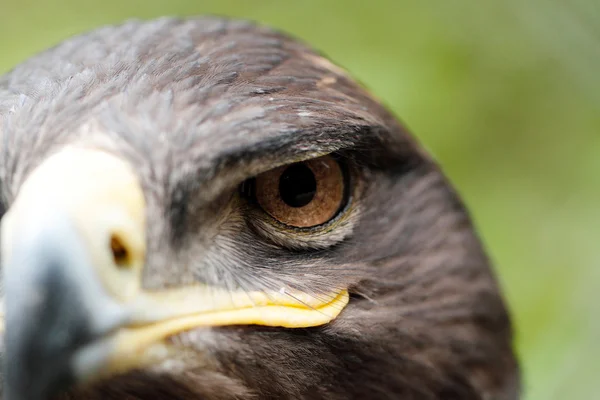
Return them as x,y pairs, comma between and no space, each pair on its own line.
304,194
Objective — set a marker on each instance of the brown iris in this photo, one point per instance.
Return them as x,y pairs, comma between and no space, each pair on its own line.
304,194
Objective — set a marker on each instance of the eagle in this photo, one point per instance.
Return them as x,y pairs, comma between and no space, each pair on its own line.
208,208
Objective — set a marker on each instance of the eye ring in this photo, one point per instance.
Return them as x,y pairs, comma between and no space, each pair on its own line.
302,195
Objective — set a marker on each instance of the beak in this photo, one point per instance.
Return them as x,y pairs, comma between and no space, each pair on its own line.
73,252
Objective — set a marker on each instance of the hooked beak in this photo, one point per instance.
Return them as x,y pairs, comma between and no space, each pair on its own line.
73,252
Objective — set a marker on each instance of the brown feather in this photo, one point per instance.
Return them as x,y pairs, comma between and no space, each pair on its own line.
200,105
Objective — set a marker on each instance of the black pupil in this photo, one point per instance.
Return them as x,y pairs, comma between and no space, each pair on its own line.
297,185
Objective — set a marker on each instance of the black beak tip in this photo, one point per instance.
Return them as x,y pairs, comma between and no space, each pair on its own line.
41,339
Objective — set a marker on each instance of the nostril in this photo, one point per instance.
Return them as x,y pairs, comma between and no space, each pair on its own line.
120,253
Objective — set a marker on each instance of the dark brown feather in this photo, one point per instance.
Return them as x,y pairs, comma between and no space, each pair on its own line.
198,106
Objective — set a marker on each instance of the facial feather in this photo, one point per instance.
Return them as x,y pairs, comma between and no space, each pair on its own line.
197,106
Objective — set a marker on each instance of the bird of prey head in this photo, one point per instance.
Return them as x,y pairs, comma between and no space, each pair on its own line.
208,209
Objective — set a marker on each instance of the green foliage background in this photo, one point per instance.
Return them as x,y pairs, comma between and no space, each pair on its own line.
505,94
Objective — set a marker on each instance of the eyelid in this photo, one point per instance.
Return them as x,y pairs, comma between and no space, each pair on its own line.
245,188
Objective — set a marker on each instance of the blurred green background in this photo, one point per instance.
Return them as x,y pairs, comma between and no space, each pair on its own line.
505,94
